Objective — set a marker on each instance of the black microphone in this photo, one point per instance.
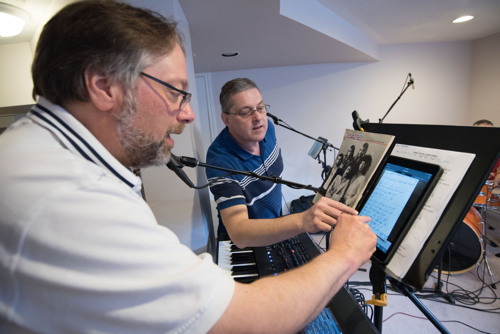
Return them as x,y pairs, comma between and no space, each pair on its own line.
411,82
188,161
357,122
175,165
275,119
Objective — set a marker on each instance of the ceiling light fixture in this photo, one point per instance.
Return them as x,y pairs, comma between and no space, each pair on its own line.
12,20
462,19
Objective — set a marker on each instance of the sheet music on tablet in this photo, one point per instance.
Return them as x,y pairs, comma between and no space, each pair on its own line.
455,165
394,201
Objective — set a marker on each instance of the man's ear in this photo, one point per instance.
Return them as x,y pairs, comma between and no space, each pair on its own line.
225,118
103,92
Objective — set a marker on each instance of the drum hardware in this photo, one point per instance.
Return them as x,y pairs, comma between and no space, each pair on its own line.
485,253
491,201
488,197
465,250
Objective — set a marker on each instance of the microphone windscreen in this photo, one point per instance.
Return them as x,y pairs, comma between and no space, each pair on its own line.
189,162
174,165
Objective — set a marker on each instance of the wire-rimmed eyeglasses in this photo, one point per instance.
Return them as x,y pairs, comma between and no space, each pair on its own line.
186,97
248,112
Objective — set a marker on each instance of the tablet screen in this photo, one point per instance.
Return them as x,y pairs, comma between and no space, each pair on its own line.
395,199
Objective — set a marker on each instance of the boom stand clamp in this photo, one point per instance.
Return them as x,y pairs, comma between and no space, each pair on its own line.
379,298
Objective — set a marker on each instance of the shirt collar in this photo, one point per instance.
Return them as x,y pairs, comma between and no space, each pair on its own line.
79,140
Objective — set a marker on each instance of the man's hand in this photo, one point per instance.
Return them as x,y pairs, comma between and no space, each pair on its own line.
323,215
353,238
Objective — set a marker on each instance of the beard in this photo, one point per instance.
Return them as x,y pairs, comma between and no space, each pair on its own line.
142,149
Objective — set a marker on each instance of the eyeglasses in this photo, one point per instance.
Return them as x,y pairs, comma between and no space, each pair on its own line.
186,97
248,112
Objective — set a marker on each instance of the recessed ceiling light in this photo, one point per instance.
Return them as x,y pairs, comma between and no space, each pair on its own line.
230,54
463,19
12,20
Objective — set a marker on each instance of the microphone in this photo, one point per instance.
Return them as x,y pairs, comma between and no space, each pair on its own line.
357,122
175,165
275,119
411,82
193,162
188,161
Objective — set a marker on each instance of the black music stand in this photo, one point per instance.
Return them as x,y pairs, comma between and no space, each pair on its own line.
485,144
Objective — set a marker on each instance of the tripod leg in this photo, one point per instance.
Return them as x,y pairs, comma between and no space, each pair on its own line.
488,268
439,284
404,289
426,311
485,244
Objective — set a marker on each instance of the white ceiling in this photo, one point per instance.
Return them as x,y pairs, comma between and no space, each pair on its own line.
265,38
39,11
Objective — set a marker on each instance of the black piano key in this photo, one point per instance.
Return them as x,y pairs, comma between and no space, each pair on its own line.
238,259
251,269
245,280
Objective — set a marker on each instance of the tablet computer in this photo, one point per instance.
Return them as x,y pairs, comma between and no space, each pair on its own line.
394,199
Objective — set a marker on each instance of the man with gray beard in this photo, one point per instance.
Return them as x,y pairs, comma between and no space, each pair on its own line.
80,250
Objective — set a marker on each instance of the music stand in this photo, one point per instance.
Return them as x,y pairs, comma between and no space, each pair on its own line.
485,144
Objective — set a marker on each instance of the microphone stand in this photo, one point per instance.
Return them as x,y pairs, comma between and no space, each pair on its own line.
409,83
324,142
180,162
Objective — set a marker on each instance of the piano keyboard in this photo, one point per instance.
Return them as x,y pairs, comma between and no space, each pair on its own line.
246,265
239,262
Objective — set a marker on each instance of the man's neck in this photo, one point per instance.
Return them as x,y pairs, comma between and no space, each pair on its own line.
253,147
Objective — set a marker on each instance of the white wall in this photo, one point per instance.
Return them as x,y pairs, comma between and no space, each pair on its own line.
15,82
485,93
318,99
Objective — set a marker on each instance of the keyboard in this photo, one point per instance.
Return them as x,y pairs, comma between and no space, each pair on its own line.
324,323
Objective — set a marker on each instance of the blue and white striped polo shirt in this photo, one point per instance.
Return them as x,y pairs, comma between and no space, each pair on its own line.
263,198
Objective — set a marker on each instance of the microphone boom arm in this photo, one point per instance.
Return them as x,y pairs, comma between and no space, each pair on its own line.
192,162
279,122
409,83
323,141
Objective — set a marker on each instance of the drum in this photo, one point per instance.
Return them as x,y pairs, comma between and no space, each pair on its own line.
493,202
482,197
466,248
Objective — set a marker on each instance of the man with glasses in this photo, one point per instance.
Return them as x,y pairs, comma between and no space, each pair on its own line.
250,209
80,249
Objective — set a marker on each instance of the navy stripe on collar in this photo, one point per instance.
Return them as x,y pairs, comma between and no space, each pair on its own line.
75,145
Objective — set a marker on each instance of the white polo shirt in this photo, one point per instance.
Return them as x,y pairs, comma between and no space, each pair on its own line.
81,251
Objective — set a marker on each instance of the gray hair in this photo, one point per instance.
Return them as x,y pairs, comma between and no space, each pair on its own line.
109,37
232,87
